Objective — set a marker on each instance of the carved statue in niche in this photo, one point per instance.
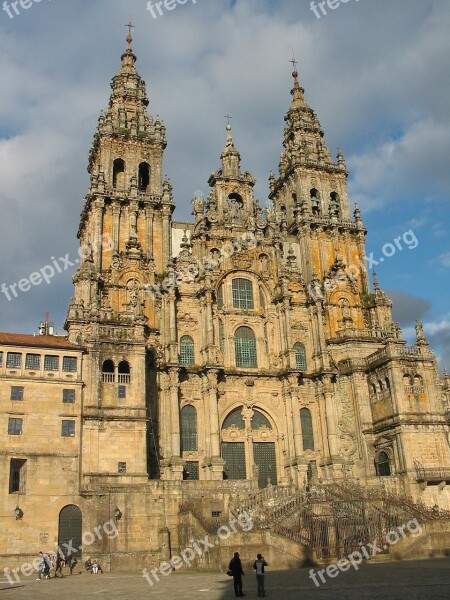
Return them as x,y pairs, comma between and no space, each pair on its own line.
263,263
235,210
134,293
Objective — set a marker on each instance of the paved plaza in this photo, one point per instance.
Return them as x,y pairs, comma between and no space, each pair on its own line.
406,580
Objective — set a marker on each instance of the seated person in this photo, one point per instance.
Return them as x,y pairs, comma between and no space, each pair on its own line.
96,568
88,564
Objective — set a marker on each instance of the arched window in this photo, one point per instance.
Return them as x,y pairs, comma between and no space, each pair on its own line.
188,427
187,350
307,429
119,174
383,464
245,348
124,372
407,380
300,356
334,204
315,201
259,420
108,371
242,293
234,418
144,177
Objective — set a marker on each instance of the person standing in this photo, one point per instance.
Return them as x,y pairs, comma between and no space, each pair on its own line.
59,562
235,567
259,565
41,566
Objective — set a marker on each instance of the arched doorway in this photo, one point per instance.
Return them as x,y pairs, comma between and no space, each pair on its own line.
249,446
70,530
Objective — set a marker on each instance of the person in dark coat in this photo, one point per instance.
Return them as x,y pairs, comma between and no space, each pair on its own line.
235,567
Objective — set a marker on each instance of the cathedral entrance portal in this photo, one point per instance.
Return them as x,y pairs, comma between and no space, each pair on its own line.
249,446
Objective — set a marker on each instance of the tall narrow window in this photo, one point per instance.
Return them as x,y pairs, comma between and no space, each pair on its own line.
245,348
300,356
17,475
334,204
307,429
188,424
242,293
1,359
220,297
187,350
124,372
119,174
383,464
144,177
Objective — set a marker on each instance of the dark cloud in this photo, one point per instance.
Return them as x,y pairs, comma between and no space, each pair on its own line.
407,308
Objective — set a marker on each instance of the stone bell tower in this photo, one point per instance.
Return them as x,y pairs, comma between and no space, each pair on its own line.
125,237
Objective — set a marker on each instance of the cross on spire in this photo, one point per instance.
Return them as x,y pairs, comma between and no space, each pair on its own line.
130,27
228,117
129,36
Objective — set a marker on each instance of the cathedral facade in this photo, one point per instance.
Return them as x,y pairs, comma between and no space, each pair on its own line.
244,350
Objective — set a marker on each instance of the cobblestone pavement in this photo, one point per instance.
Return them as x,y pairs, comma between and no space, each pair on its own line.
406,580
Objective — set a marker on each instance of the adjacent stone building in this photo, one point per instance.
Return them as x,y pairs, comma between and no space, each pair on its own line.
205,360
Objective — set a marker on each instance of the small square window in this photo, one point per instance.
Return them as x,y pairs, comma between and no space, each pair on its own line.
216,513
69,364
68,429
122,392
16,392
51,363
122,467
15,426
14,360
33,361
68,396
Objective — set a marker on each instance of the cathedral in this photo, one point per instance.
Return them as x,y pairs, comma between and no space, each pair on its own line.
208,362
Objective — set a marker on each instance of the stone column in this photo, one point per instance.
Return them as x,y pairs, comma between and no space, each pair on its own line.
298,440
116,225
331,418
149,221
217,463
175,460
98,232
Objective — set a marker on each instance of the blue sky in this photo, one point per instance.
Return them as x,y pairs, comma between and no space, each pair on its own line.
376,72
